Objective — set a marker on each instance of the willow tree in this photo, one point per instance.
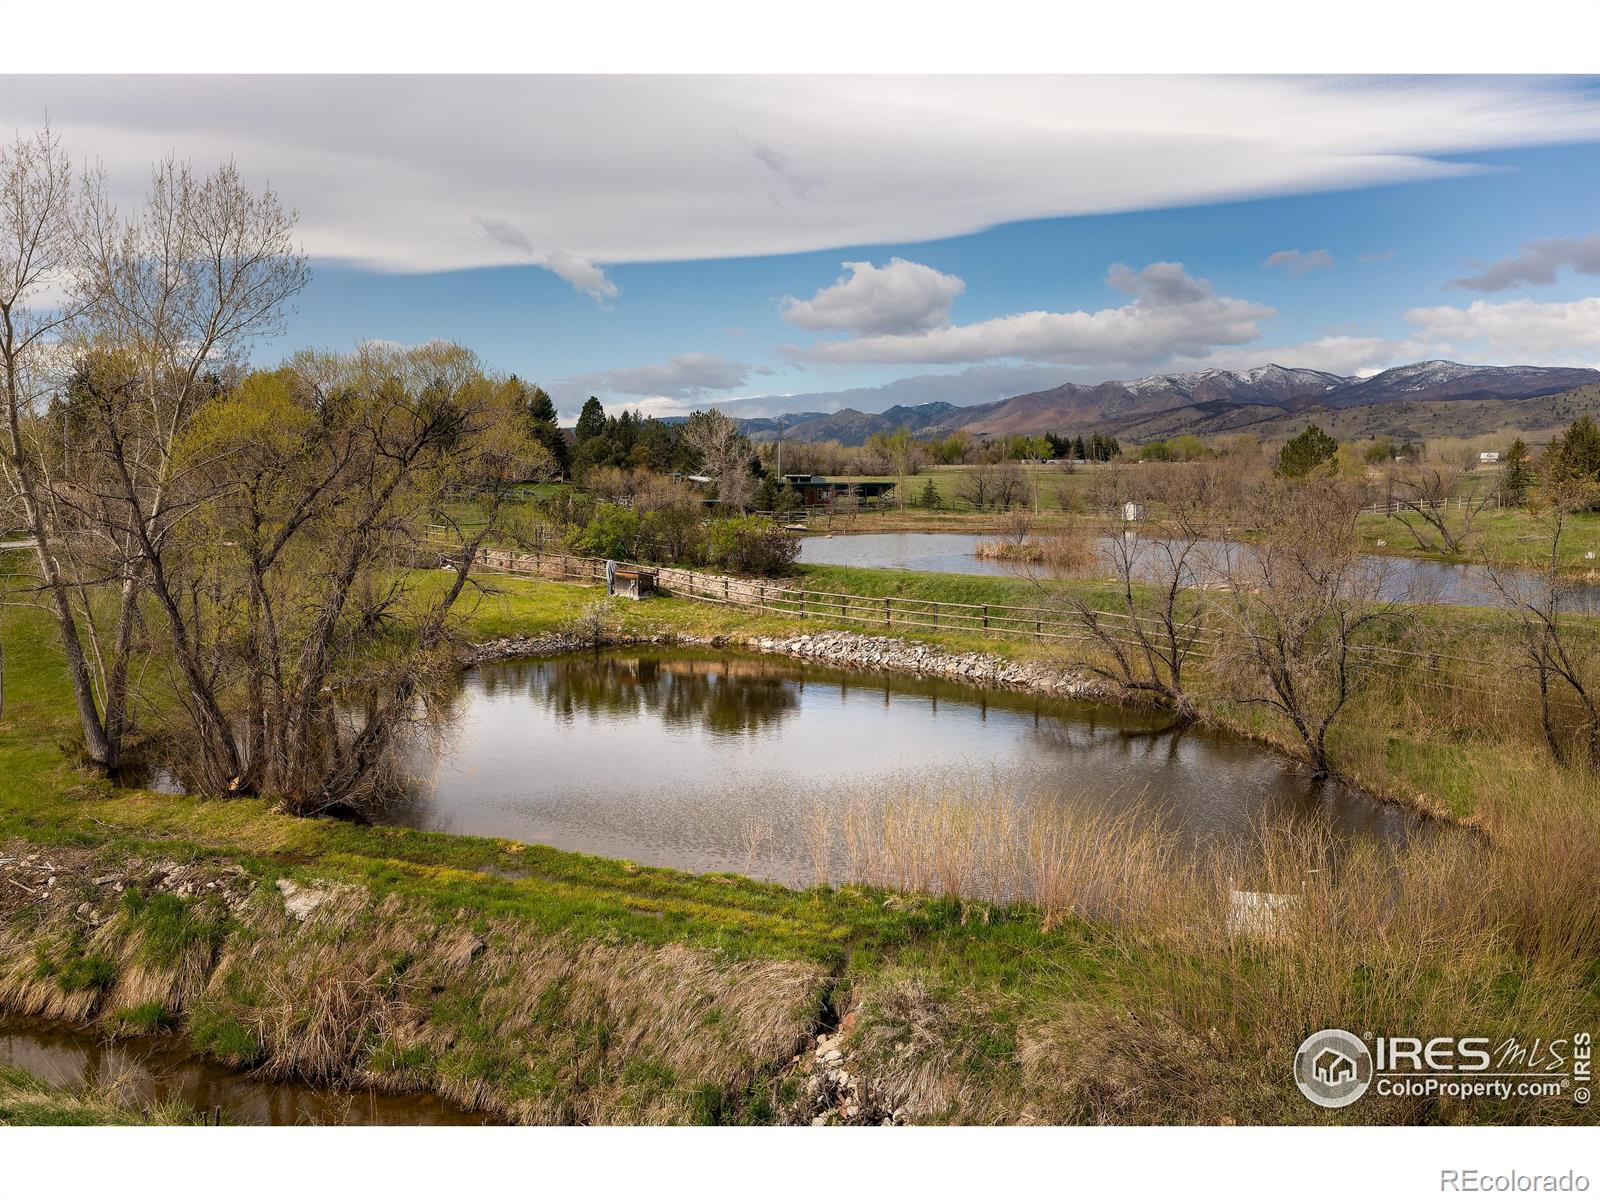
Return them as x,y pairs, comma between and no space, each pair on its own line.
300,587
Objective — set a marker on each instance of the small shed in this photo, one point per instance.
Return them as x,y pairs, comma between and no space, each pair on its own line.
634,583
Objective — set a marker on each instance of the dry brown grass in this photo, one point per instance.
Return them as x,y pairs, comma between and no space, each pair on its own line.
981,839
534,1028
1454,933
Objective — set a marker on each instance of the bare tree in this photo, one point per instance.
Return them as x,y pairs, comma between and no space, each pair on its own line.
976,486
1301,606
1426,496
724,455
36,260
1157,624
1010,486
1548,630
171,300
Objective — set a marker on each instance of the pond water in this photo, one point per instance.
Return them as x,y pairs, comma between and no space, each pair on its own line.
1415,578
724,761
157,1070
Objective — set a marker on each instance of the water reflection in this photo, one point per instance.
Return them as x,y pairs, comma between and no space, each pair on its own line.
721,697
955,553
155,1071
724,761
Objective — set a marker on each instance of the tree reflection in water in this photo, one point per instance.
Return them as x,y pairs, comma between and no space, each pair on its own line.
730,696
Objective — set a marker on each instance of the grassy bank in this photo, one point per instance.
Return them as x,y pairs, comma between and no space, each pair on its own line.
1509,535
25,1099
547,986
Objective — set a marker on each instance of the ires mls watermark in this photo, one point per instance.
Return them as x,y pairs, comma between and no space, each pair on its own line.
1334,1067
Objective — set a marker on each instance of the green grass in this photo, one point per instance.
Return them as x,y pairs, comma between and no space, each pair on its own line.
1051,484
1511,535
26,1099
990,980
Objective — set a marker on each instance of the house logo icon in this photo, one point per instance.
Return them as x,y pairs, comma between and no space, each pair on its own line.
1333,1068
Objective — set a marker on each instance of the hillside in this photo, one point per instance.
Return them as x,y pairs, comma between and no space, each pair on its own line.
1536,418
1419,400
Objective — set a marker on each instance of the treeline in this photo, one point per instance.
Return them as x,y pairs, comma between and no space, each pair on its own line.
901,453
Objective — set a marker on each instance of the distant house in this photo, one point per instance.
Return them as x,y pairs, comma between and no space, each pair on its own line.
817,491
1489,456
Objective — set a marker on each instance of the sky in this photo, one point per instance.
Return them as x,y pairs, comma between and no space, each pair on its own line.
788,243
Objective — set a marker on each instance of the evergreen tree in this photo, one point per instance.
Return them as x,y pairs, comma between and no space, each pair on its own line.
1078,450
930,494
539,411
1305,452
1575,455
1516,476
591,421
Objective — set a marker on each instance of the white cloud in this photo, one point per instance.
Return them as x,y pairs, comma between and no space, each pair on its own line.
1382,256
580,273
684,376
1172,313
388,172
1298,262
584,276
902,297
1553,334
1538,262
1339,354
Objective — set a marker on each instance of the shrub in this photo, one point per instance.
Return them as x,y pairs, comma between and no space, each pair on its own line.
613,532
752,546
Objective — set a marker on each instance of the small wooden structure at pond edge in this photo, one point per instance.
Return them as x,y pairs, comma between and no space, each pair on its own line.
633,582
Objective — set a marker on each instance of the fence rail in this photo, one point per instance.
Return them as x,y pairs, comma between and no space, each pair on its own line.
1390,508
906,614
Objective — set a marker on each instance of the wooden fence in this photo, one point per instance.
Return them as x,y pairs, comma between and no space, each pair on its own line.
1390,508
783,599
896,614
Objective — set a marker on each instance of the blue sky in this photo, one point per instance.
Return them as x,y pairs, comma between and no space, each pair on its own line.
681,242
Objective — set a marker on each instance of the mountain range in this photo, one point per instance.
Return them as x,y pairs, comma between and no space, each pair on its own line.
1402,402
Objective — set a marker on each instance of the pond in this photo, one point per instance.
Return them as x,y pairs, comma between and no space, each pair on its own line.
713,761
157,1070
956,553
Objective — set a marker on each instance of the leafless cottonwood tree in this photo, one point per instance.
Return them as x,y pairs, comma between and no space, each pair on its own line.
36,261
161,308
976,486
172,299
1547,614
1427,496
1300,607
724,455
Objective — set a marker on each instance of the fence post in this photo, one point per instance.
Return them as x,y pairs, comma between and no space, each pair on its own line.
761,595
888,613
936,614
724,589
986,616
